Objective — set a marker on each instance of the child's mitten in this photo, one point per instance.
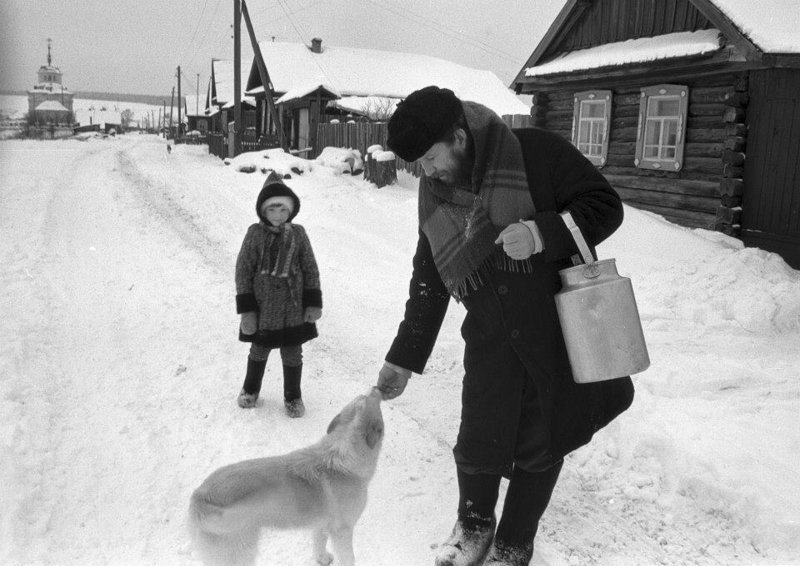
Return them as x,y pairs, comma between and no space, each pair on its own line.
249,323
312,314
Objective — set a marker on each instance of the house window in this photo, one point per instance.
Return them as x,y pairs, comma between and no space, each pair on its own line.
662,127
590,124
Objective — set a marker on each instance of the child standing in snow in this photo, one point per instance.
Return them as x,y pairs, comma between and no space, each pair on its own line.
277,293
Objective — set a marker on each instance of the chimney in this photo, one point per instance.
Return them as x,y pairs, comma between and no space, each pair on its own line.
316,45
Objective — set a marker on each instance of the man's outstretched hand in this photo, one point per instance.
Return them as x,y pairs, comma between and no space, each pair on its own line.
392,380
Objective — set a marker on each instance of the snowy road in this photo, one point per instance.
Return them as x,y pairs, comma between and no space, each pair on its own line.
120,366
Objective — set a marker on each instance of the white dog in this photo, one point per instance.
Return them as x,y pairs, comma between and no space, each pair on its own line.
322,487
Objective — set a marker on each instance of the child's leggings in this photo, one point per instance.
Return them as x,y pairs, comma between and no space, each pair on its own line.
292,356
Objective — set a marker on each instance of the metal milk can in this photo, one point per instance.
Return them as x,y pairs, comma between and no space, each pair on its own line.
599,318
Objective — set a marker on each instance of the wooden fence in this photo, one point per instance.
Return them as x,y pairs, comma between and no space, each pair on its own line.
361,135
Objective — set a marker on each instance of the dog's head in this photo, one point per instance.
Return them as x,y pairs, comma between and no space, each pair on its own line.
361,420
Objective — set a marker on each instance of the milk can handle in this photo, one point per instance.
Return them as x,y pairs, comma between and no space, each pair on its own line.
583,247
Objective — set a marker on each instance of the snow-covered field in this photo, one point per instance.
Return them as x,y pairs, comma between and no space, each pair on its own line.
88,110
119,369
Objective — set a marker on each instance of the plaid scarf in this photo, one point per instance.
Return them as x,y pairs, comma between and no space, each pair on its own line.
278,250
463,223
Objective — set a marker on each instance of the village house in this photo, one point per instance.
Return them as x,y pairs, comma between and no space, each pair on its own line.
690,108
220,99
316,83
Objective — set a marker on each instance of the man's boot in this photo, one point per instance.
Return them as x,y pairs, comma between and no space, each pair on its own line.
526,500
292,396
252,383
474,529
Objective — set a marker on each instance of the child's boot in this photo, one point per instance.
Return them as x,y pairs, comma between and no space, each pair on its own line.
252,383
292,397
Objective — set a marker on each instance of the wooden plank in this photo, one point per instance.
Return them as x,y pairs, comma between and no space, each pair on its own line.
717,110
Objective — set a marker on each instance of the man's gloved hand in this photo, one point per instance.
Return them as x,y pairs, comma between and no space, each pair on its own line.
312,314
249,323
392,380
521,239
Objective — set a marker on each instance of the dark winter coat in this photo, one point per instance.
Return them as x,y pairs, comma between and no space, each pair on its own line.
279,301
519,401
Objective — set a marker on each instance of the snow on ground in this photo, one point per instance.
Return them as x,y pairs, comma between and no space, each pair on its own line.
119,369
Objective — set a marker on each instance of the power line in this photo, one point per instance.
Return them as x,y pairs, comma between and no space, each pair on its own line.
444,30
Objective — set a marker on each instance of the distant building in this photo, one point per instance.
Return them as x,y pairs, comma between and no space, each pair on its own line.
49,101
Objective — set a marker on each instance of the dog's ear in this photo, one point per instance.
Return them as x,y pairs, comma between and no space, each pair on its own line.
334,423
374,434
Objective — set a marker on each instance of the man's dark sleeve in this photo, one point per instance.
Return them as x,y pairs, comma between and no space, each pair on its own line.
425,309
578,187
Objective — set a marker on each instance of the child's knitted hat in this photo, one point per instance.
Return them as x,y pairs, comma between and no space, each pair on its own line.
275,187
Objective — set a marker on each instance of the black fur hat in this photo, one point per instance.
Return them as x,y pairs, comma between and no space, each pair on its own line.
274,187
421,120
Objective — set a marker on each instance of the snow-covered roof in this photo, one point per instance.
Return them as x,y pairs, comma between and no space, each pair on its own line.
223,77
249,100
195,105
51,105
642,50
303,90
773,25
369,72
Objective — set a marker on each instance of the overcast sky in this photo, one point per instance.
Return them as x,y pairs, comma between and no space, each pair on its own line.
134,47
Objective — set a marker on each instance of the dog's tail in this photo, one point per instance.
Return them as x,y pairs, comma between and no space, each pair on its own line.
216,541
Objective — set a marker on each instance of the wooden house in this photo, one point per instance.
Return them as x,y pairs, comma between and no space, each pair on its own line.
690,108
220,99
307,81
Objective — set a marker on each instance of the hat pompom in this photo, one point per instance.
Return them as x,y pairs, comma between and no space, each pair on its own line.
421,120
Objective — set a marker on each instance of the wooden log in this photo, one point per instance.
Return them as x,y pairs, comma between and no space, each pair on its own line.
622,148
716,110
559,115
627,99
728,215
625,122
737,99
562,104
731,187
710,95
730,201
704,122
622,134
701,188
703,149
742,82
733,157
626,111
688,218
705,165
734,115
732,172
704,135
707,205
735,143
729,230
736,130
689,175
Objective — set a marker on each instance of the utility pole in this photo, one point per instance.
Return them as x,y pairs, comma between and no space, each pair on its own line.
180,103
171,105
237,77
163,117
197,97
265,80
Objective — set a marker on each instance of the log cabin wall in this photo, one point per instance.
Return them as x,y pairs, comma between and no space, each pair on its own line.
713,158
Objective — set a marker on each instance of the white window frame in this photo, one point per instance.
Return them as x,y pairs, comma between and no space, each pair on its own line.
581,122
662,161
